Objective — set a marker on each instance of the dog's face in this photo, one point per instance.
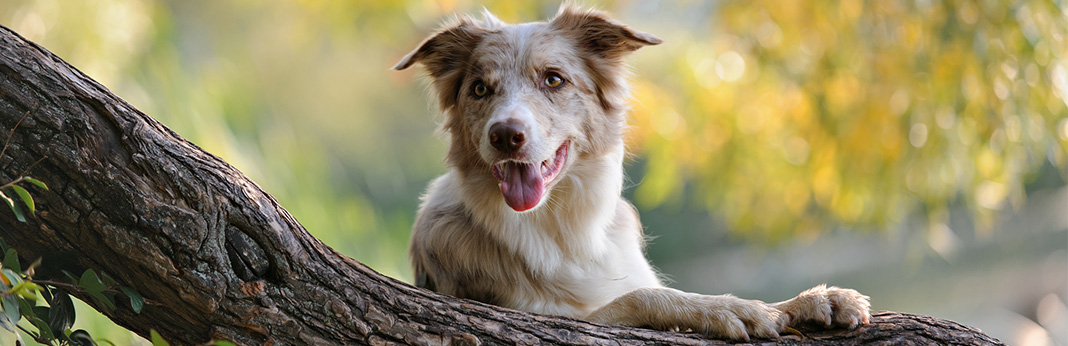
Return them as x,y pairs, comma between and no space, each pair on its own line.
525,101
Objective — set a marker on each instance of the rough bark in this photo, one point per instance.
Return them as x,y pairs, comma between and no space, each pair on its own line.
222,260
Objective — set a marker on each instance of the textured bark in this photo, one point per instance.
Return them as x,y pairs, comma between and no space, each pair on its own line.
222,260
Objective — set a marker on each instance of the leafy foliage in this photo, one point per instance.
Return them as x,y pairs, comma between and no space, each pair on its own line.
51,323
795,117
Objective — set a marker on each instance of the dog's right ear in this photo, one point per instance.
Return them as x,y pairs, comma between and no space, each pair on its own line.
445,50
445,55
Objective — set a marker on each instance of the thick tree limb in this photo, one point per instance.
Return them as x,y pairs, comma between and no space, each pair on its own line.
224,261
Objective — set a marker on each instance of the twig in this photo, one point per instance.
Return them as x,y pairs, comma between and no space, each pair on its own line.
27,170
9,134
22,176
13,182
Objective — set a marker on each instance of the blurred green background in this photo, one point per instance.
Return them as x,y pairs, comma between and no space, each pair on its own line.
913,150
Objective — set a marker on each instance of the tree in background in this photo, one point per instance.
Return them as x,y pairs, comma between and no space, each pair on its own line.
797,117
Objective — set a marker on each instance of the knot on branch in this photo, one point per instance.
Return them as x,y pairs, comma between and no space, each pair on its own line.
247,257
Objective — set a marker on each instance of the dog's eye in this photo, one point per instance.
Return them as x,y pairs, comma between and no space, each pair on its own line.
554,81
480,89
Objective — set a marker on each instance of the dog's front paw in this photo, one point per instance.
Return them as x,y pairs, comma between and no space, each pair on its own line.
669,309
734,318
841,307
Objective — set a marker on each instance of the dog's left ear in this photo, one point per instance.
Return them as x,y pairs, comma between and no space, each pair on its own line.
597,33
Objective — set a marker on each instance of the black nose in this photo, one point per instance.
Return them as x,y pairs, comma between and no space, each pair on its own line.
507,136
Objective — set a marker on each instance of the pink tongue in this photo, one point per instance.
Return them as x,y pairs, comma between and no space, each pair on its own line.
522,185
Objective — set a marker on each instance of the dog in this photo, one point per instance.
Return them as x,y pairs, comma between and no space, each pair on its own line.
530,214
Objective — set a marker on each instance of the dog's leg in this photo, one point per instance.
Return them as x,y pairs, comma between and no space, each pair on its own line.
666,309
827,305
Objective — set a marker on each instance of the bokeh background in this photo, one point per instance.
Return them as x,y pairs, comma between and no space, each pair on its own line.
913,150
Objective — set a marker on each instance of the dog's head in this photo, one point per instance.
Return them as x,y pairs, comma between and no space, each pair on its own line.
524,101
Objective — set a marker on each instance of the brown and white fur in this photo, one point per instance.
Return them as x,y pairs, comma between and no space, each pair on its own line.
530,214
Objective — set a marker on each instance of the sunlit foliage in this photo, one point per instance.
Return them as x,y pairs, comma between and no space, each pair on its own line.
795,117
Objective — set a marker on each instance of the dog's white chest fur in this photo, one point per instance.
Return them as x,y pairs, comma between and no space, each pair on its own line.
579,251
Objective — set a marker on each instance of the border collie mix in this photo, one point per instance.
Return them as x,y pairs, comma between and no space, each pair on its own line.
530,214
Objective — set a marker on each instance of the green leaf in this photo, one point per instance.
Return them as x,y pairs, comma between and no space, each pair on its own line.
30,290
40,311
61,316
136,301
6,325
11,261
73,279
108,280
103,300
26,198
26,289
157,340
39,183
81,337
14,208
26,308
91,282
11,277
11,309
46,333
7,199
99,341
92,285
19,215
42,326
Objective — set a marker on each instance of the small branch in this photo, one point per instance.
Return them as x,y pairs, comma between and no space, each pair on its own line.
22,177
8,140
13,182
27,170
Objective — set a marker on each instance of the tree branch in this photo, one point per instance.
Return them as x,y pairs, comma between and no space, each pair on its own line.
133,199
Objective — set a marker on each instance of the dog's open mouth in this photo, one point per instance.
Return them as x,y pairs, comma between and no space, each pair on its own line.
523,184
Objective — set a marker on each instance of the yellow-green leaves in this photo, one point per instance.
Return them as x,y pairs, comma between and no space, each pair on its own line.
791,118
